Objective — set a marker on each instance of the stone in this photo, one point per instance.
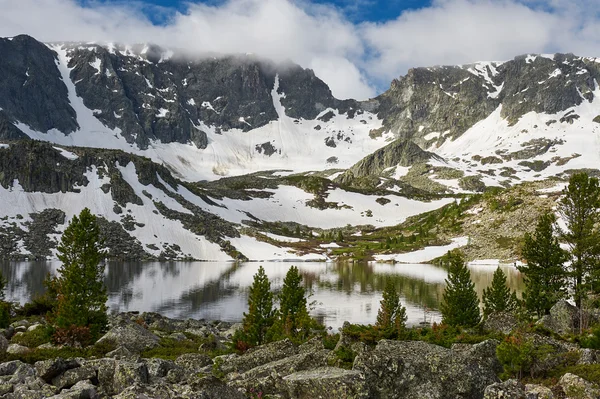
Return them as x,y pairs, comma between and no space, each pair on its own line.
158,368
256,356
589,356
47,370
193,362
534,391
132,336
326,383
563,318
129,373
122,353
509,389
73,376
3,344
9,368
177,336
16,349
415,370
502,322
576,387
81,390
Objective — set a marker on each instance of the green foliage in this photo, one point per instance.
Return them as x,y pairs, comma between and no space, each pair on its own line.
171,349
260,314
460,306
544,274
81,293
518,356
34,338
579,209
345,356
43,304
391,317
498,297
292,320
591,340
5,308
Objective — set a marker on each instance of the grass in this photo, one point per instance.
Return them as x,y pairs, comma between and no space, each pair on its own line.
35,338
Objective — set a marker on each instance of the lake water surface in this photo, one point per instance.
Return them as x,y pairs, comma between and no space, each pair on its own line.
219,290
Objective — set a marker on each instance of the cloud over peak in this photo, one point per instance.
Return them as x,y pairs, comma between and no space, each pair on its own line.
356,60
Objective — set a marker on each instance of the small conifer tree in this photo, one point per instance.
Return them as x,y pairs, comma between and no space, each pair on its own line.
498,297
80,285
544,274
293,313
391,316
260,314
460,306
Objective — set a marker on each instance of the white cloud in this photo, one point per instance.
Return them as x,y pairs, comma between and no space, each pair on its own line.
351,58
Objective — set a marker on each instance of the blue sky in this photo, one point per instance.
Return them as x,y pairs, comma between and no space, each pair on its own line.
356,46
355,10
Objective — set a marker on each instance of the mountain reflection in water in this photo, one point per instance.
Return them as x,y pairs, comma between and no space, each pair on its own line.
219,290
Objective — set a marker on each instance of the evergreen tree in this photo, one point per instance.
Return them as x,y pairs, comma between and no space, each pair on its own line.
391,316
293,313
80,284
579,209
460,306
544,273
498,297
260,314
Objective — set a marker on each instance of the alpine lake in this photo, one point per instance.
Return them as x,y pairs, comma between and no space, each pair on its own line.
337,292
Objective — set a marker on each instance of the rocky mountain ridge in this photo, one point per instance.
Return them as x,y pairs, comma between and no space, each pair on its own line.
263,153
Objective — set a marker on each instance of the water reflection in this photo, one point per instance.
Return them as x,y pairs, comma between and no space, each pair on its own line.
219,290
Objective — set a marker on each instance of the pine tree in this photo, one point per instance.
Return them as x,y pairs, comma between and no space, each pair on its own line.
498,297
391,316
80,285
260,314
292,303
579,209
460,306
544,273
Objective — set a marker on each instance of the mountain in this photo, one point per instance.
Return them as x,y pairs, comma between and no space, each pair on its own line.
219,157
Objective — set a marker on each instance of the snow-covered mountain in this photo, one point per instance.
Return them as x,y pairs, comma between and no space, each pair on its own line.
235,157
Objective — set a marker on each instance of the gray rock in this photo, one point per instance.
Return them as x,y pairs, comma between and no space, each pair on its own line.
502,322
228,333
563,318
326,383
47,370
510,389
3,344
193,362
9,368
588,356
577,388
257,356
129,373
416,370
16,349
122,353
158,368
534,391
73,376
131,336
81,390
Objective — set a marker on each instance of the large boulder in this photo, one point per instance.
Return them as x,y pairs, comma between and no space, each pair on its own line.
510,389
534,391
563,318
132,336
73,376
129,373
3,343
193,362
49,369
502,322
326,383
418,370
257,356
266,378
576,387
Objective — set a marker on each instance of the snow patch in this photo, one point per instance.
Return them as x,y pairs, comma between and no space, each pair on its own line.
426,254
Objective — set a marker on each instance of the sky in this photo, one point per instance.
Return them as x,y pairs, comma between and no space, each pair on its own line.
356,46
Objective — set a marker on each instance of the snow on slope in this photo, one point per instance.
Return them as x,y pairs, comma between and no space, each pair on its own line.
578,139
298,145
157,229
426,254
